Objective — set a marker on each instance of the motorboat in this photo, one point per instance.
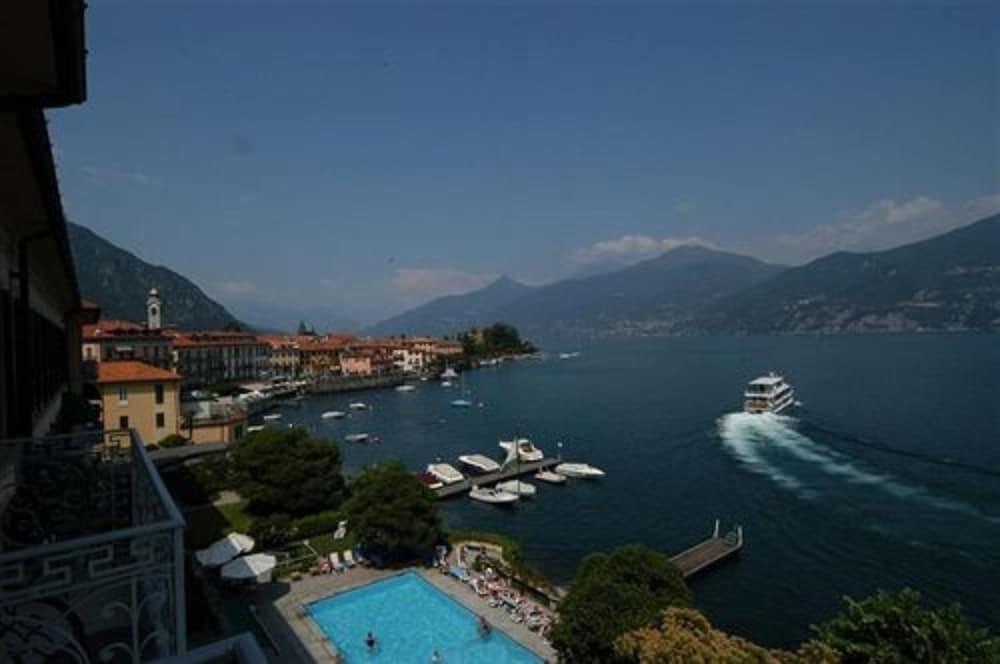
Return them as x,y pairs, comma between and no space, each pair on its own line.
526,450
357,437
569,356
405,388
357,405
479,463
445,383
445,472
255,428
271,417
461,403
518,487
768,394
550,477
493,496
579,470
333,415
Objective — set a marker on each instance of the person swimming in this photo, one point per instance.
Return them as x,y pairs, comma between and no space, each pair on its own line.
436,657
371,641
484,627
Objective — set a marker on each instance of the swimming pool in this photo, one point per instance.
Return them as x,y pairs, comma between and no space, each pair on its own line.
411,619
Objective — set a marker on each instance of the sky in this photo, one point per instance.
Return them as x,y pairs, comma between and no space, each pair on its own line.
344,162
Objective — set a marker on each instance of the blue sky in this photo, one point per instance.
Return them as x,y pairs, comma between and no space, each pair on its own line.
346,160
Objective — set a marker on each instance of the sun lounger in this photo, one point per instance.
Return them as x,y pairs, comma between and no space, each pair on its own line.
341,531
358,558
459,573
335,563
349,558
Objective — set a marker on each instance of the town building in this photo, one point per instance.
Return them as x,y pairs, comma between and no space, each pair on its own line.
321,357
206,358
108,340
139,396
408,359
284,358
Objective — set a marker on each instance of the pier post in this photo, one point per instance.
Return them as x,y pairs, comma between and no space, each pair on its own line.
716,533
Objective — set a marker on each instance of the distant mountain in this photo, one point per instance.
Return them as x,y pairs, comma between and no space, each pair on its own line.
948,282
454,313
119,281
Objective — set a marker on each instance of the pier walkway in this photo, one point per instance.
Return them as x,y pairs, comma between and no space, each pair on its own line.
506,473
713,550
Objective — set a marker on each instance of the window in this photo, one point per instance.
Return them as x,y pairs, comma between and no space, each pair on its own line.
123,422
159,394
122,394
160,420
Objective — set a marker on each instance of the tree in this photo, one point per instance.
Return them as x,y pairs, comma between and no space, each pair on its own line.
612,594
393,513
890,628
685,635
286,471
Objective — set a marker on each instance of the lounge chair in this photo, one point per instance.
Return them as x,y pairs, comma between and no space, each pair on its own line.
348,558
358,558
341,531
335,563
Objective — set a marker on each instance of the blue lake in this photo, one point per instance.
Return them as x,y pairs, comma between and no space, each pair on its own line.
887,475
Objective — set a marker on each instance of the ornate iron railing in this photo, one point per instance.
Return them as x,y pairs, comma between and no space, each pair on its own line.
91,552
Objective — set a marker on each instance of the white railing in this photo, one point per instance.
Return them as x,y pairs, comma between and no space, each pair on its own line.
91,552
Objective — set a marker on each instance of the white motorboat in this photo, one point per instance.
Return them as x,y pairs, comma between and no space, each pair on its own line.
579,470
768,394
445,383
357,437
272,417
518,487
461,403
493,496
357,405
569,356
333,415
445,472
405,388
479,463
255,428
550,477
526,450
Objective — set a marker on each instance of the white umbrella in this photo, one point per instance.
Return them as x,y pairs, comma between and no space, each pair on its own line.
258,566
224,550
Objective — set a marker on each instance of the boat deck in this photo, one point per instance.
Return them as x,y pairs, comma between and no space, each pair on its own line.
488,479
713,550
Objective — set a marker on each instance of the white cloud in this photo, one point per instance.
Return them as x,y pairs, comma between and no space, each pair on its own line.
631,248
105,176
885,224
435,282
236,288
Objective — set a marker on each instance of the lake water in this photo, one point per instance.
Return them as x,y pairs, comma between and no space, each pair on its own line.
887,475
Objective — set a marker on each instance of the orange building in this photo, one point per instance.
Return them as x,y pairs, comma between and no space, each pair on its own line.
136,395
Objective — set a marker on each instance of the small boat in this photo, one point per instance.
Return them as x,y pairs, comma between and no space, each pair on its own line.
357,438
550,477
518,487
445,472
526,450
357,405
579,470
479,463
405,388
493,496
333,415
255,428
569,356
424,379
461,403
768,394
271,417
448,374
445,383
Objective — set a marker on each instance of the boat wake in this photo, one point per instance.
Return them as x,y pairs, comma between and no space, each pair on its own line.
770,445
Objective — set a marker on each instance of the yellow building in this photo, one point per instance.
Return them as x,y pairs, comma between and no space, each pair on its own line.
139,396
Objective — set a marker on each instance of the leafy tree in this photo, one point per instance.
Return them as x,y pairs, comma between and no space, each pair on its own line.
287,471
896,628
612,594
685,635
393,513
271,531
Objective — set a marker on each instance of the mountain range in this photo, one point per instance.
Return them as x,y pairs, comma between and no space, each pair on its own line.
948,282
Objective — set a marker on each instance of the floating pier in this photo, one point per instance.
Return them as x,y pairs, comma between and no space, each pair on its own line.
486,479
710,552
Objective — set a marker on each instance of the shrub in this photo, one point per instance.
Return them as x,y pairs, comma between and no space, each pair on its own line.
173,440
272,531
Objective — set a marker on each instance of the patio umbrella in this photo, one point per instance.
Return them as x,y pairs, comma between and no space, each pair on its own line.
224,550
258,566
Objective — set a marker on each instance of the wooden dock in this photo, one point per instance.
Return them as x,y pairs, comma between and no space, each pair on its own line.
487,479
713,550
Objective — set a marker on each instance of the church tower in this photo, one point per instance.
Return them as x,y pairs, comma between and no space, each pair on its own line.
153,309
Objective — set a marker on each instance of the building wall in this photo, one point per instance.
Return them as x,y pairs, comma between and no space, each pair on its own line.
141,408
216,432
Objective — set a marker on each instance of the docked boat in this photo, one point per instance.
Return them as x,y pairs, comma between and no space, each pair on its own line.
461,403
550,477
357,437
768,394
449,374
493,496
518,487
405,388
579,470
272,417
255,428
526,450
479,463
445,472
357,405
445,383
333,415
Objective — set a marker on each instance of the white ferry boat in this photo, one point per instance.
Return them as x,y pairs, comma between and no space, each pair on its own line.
768,394
526,450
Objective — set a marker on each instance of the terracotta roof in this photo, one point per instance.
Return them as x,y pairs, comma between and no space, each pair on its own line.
132,371
198,339
110,327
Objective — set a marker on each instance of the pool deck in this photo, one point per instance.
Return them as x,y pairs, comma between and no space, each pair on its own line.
279,608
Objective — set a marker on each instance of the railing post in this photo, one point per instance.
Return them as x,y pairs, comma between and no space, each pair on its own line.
180,611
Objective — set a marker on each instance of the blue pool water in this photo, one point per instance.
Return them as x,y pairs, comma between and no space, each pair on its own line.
410,618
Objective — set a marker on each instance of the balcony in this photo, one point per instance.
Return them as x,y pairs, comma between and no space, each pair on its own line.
91,552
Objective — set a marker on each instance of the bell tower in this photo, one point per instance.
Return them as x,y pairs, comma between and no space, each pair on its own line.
153,309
